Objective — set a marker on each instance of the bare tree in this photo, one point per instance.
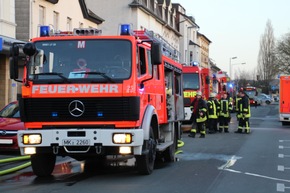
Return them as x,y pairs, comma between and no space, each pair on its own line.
267,67
283,54
245,77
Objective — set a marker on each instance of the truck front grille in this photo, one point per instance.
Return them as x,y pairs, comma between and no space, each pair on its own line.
90,109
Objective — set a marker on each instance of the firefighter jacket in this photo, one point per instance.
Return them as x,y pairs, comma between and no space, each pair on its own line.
199,110
237,103
244,110
212,105
225,108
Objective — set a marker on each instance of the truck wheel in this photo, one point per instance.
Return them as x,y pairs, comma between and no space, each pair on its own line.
145,162
285,123
43,164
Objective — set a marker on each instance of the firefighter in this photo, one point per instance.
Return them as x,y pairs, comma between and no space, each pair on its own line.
224,114
198,116
212,106
230,99
238,98
244,113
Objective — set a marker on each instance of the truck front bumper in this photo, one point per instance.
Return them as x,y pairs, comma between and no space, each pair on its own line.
80,140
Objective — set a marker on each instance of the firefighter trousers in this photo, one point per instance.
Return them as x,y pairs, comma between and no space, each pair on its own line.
244,123
198,127
212,125
223,124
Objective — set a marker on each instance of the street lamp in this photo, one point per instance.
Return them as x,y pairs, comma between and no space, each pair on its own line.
231,58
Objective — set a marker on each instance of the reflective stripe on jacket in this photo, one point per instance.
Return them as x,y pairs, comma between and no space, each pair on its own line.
244,108
224,108
212,109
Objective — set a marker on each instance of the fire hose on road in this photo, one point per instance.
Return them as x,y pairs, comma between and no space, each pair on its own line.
14,169
179,145
27,164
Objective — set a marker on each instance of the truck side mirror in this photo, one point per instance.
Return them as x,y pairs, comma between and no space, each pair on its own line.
13,61
29,49
156,53
13,67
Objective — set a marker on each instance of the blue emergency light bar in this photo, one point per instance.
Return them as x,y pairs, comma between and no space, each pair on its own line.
194,63
125,29
44,30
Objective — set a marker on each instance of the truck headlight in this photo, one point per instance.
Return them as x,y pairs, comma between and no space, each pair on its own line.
125,150
29,139
122,138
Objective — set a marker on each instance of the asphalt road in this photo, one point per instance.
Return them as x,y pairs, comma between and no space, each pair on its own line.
220,163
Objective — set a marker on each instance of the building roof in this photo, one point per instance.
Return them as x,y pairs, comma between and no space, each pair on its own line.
200,34
89,14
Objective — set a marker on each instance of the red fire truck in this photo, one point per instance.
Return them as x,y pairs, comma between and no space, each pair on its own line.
195,79
284,101
251,91
219,84
90,96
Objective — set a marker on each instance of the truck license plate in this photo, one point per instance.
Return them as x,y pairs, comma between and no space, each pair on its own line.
76,142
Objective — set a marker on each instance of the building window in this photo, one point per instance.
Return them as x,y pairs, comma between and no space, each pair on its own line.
56,20
68,24
41,15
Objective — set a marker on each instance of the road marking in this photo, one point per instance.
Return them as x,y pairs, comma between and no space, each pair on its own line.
257,175
229,163
283,156
283,147
282,168
282,140
281,187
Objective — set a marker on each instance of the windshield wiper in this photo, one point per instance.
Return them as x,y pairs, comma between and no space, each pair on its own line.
97,73
54,73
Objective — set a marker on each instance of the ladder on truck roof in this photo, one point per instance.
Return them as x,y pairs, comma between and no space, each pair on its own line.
168,50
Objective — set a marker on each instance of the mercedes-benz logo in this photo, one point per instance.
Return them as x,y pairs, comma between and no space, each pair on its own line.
76,108
3,132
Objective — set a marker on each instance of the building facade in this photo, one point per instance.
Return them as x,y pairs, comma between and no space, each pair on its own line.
204,43
7,37
158,16
61,15
169,20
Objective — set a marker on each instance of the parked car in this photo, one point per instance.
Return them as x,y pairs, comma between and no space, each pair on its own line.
257,101
10,123
265,99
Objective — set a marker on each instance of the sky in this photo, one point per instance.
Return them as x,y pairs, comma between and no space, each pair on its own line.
236,26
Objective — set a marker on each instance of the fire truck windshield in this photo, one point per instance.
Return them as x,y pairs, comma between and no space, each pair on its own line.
250,93
81,60
190,81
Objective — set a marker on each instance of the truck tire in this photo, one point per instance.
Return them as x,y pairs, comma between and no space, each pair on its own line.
43,164
145,162
285,123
